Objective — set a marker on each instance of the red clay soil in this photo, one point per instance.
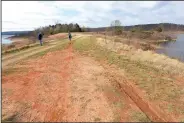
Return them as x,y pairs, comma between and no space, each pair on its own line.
137,96
57,87
153,112
64,86
41,89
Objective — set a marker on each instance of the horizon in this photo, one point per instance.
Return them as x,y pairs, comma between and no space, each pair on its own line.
20,15
99,27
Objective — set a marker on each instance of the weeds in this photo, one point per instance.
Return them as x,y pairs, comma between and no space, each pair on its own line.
11,118
14,50
151,79
12,70
139,117
19,49
60,46
97,119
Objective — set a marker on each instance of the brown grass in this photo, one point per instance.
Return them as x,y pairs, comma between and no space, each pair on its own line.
159,61
152,72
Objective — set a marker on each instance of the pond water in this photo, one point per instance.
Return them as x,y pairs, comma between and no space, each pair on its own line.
173,49
4,39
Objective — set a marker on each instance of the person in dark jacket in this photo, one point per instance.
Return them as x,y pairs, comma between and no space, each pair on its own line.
69,36
40,37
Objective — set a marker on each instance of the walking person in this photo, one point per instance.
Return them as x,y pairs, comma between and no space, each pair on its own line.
40,36
69,36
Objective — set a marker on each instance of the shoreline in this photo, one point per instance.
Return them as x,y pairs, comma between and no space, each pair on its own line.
20,41
143,56
147,45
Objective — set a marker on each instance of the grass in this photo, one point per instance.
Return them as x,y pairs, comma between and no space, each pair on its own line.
116,95
60,46
138,116
14,50
12,70
182,120
170,108
116,100
11,118
97,119
155,82
147,75
57,45
160,61
7,91
19,49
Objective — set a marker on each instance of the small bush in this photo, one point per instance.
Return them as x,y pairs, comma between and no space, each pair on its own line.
168,38
117,40
118,32
159,29
10,46
133,30
146,47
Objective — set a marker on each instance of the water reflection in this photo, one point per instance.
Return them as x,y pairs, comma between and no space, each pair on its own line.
174,49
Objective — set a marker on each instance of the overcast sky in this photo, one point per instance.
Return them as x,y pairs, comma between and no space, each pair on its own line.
28,15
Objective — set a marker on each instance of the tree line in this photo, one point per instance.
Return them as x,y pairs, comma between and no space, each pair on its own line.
115,27
143,27
54,29
58,28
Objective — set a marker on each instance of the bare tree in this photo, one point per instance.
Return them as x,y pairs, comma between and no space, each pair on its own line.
106,33
116,27
162,26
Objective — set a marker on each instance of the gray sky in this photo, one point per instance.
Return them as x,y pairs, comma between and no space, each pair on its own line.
28,15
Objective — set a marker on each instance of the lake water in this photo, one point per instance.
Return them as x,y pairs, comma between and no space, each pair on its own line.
173,49
4,39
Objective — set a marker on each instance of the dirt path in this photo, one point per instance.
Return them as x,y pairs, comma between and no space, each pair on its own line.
15,57
9,61
42,94
65,86
19,53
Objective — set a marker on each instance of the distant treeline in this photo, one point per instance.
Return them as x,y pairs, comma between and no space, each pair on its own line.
58,28
146,27
52,29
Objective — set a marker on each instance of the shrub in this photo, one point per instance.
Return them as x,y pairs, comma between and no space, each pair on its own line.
116,26
159,29
146,47
10,46
168,38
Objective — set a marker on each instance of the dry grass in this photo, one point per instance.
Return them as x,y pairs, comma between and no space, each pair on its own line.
60,46
139,117
159,61
152,72
13,50
135,67
97,119
12,70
